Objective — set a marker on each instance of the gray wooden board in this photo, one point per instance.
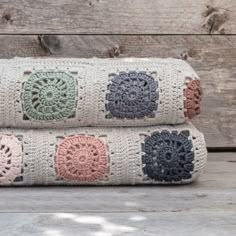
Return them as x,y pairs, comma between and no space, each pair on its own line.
213,57
207,207
118,16
188,223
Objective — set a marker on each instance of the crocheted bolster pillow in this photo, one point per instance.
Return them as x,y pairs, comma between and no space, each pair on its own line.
109,156
97,92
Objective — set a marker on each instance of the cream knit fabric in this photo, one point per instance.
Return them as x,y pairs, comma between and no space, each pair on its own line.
102,156
58,93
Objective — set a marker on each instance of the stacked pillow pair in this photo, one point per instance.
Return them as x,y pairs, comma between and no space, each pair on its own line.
99,121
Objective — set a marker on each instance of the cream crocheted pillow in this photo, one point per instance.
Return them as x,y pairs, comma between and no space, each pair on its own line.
97,92
102,156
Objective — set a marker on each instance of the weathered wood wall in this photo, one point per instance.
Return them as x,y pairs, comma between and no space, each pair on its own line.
138,28
118,16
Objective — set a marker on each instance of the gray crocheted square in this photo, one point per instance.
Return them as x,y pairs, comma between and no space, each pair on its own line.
132,95
168,156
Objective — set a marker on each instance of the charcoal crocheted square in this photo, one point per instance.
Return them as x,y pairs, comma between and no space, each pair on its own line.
80,158
10,159
168,156
49,96
132,95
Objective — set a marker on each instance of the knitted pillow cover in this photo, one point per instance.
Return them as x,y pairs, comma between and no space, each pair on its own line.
101,156
97,92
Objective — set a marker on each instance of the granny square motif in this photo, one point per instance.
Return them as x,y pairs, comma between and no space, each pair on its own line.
56,93
102,156
49,96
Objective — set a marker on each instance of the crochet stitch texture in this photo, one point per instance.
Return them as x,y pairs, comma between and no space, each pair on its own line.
78,93
57,93
49,96
132,95
193,95
168,156
10,159
82,158
102,156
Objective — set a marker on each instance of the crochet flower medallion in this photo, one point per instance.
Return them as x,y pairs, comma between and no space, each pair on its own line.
132,95
193,95
102,156
168,156
49,96
81,158
10,159
76,92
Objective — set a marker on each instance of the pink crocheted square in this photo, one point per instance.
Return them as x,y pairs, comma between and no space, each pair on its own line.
81,158
10,159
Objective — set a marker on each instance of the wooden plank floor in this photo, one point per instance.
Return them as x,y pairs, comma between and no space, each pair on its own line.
206,207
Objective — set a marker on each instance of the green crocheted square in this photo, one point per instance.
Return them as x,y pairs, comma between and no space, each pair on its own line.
49,96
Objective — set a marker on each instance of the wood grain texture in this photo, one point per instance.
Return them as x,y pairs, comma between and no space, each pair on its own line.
215,191
213,57
118,16
206,207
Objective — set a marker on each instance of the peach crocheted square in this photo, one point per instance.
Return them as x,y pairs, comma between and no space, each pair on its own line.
193,95
82,158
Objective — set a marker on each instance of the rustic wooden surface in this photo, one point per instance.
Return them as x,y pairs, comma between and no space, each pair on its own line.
118,16
206,207
213,57
189,223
